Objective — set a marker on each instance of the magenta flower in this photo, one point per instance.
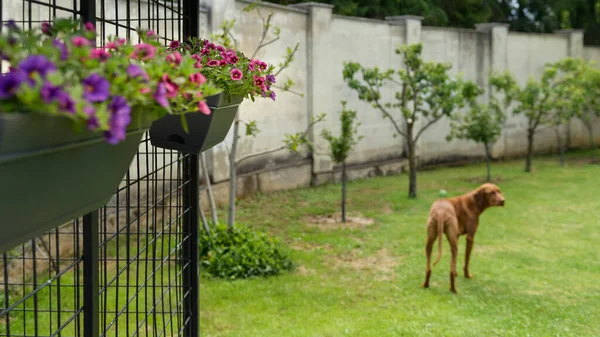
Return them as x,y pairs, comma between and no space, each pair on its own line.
36,64
10,83
170,86
121,41
92,121
196,57
175,44
90,27
46,28
80,41
212,63
222,63
220,48
143,51
197,78
65,102
160,95
49,92
252,66
236,74
100,54
174,58
116,44
150,33
111,45
145,90
203,107
210,45
262,65
134,71
96,88
205,51
259,81
120,117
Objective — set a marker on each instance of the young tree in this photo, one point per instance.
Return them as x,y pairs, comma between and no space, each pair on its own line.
538,99
269,35
590,110
340,147
482,124
568,97
426,94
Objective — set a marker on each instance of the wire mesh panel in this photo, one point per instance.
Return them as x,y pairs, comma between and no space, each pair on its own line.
142,261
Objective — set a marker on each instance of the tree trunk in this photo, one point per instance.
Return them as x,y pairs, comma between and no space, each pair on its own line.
211,197
412,164
488,158
590,128
233,175
344,191
530,133
203,218
561,149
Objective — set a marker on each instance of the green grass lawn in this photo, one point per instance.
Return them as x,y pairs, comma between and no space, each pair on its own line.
536,262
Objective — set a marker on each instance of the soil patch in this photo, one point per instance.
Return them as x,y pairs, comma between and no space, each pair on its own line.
328,222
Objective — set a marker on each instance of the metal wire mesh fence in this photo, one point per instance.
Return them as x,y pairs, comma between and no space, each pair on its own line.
129,269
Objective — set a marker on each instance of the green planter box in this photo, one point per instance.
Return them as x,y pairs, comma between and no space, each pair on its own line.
205,131
50,174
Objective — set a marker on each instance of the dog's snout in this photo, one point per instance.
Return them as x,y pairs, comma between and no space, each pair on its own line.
501,202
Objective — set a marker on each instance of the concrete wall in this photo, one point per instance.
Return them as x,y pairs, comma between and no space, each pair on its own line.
326,41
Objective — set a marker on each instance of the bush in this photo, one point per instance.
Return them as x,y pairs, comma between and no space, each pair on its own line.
242,253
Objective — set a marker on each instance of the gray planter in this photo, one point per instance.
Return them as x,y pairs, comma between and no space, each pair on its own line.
205,131
51,174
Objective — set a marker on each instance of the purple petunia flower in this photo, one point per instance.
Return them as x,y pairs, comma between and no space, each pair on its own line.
160,95
270,78
92,120
65,102
11,24
49,92
64,52
272,96
36,64
134,71
96,88
10,82
120,117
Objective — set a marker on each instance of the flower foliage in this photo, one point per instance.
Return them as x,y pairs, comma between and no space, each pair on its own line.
229,69
57,70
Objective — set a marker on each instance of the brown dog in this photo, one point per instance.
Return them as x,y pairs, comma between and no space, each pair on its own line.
457,216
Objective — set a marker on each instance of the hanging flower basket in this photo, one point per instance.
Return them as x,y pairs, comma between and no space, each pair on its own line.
51,175
205,131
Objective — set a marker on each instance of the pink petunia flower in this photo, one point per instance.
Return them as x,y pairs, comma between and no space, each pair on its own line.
80,41
143,51
100,54
203,107
174,58
145,90
171,87
213,63
236,74
90,27
197,78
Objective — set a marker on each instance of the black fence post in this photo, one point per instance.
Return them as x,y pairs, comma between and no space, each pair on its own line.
191,281
91,286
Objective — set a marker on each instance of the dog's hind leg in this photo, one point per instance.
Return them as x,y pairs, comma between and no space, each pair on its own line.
431,236
452,234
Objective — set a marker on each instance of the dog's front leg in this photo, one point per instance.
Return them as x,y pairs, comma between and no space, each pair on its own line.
470,241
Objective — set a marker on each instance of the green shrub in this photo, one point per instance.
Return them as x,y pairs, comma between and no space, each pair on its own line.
242,253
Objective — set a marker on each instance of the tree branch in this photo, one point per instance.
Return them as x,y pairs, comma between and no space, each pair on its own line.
426,126
265,31
387,114
289,90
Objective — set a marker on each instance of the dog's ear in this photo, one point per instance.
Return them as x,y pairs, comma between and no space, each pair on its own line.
481,198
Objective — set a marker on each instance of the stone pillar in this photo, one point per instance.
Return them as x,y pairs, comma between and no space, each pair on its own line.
319,89
575,50
412,27
498,63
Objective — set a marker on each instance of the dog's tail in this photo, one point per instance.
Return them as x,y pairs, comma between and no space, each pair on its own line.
440,224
